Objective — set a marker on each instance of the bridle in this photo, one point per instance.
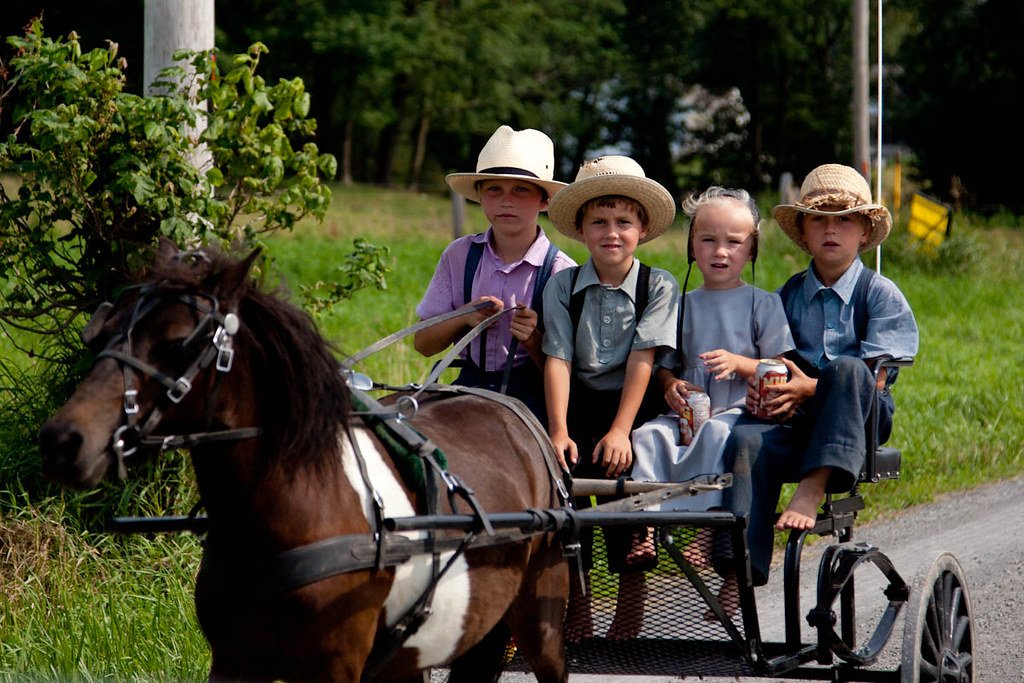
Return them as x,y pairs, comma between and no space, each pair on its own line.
212,341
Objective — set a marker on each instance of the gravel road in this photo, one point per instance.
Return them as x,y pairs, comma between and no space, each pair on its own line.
980,527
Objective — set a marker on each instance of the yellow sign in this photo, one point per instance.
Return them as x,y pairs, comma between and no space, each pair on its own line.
930,220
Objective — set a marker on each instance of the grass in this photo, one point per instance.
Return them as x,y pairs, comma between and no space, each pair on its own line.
83,605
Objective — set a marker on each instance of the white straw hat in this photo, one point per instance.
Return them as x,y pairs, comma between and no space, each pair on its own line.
834,185
526,154
613,175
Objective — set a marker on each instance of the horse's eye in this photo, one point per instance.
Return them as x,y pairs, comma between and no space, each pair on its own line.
169,352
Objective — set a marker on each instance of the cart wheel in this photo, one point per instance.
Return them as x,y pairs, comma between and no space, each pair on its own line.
938,638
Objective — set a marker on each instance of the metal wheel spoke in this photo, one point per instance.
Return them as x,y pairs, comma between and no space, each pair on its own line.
957,641
929,672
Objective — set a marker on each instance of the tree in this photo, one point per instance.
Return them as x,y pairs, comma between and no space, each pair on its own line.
956,99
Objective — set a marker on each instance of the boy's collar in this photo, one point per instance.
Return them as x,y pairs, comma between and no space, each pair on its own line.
843,287
588,277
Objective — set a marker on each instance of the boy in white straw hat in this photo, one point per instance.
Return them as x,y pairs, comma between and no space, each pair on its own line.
507,265
604,322
844,318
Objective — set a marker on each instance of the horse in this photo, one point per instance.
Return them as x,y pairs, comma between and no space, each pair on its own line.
293,476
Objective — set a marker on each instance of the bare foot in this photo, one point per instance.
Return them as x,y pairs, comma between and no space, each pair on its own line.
698,551
728,598
642,551
629,607
802,510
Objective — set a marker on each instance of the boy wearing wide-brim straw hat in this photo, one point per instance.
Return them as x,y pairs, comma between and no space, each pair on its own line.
507,266
844,318
604,322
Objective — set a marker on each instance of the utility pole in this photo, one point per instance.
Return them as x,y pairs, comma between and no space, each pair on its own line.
172,25
861,127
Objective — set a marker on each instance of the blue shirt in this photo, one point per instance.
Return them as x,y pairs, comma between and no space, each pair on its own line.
822,320
608,330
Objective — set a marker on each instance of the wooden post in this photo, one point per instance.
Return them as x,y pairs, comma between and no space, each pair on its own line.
172,25
861,147
458,214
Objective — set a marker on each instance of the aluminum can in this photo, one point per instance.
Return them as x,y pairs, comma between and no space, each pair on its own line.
696,412
770,373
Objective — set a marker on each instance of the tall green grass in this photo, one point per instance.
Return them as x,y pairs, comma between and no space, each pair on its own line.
80,604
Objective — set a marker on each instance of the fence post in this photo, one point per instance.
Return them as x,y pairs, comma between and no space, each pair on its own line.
458,214
786,187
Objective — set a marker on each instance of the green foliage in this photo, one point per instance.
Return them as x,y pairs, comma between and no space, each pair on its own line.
955,98
363,267
98,174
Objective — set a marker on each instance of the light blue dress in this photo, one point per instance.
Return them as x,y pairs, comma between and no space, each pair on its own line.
744,320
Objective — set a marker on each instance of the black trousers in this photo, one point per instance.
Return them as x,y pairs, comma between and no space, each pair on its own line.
590,415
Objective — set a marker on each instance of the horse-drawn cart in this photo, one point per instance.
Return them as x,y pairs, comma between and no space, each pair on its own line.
352,539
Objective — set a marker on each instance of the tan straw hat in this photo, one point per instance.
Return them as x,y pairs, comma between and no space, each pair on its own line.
511,155
613,175
834,185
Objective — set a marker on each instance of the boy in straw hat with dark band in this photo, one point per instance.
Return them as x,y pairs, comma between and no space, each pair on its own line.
506,265
844,318
604,322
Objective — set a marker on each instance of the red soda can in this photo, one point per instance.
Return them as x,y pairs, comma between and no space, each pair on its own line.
696,412
770,373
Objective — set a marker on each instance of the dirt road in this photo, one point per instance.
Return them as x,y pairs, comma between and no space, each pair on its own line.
980,527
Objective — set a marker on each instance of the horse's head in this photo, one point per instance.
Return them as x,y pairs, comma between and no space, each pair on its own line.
160,337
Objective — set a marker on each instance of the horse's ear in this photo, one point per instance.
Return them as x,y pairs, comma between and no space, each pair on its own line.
231,279
165,252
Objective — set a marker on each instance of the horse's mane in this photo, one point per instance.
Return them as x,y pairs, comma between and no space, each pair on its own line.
300,390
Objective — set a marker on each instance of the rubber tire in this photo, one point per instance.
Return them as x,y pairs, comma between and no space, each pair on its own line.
938,636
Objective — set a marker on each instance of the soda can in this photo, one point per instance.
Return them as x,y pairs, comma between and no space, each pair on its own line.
769,374
696,412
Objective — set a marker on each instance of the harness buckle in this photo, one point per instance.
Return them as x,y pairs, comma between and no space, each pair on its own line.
225,357
131,401
407,407
181,387
222,341
120,444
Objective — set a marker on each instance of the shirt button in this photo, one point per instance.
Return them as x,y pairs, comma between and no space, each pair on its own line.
831,326
607,342
607,318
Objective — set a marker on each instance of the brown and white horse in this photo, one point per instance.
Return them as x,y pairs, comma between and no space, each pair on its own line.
196,355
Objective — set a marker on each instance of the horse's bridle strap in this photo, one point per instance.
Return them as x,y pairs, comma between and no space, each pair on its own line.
188,440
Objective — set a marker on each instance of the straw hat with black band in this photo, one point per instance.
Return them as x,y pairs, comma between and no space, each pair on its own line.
609,176
526,154
844,191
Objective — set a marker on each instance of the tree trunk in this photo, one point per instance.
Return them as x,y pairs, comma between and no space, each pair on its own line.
419,152
346,154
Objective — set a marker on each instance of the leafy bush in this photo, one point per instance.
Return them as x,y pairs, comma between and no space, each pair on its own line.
100,174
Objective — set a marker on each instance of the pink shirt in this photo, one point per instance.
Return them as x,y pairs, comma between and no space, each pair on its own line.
510,282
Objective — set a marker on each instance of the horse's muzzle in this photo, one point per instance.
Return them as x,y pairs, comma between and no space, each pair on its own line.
64,459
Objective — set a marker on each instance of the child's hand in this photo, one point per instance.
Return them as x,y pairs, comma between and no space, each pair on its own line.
721,363
523,323
565,450
476,317
675,394
614,452
753,397
782,402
